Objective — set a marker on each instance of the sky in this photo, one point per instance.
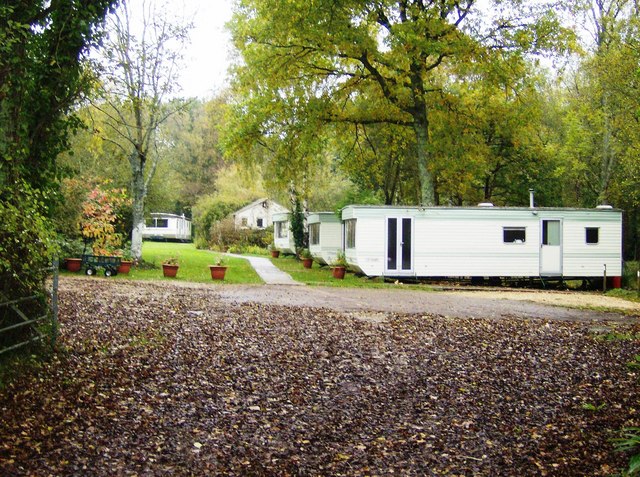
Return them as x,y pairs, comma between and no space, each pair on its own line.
207,57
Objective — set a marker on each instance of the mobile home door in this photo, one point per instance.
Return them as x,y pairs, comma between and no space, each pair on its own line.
551,247
399,246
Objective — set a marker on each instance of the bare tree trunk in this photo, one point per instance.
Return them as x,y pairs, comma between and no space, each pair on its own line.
139,190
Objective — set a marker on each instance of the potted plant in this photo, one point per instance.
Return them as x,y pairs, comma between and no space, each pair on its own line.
339,266
275,253
126,261
306,257
218,270
72,250
170,267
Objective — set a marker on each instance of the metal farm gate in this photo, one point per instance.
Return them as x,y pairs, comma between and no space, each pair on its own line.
18,325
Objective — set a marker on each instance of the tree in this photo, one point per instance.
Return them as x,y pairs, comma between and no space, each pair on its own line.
371,62
139,75
43,58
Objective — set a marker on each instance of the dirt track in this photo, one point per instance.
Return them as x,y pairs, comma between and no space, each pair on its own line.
523,304
169,378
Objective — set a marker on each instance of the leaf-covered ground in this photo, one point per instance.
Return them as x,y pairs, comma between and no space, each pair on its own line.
155,380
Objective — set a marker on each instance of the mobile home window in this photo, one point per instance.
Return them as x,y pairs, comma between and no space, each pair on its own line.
350,233
514,234
160,223
259,223
314,234
592,235
281,230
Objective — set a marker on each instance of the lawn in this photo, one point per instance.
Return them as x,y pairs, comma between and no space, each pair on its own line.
194,264
318,275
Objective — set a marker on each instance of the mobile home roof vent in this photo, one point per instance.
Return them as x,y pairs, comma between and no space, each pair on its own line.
485,204
604,206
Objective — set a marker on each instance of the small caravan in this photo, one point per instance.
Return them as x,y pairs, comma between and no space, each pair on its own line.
163,226
282,235
483,241
325,236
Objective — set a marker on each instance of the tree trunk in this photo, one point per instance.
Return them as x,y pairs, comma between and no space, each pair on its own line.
427,192
420,115
139,193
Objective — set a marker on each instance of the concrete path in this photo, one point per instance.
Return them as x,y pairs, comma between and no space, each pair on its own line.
271,274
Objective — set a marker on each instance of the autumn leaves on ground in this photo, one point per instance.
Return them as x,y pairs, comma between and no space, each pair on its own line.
154,380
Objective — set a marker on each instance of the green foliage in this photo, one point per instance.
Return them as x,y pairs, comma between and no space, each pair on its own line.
367,63
297,226
629,442
27,242
206,212
635,364
226,237
72,247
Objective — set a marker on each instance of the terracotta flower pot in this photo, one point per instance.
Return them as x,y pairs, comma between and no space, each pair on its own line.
275,253
73,264
338,272
125,266
307,262
217,272
169,271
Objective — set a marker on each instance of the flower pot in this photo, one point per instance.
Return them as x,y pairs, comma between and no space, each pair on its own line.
169,271
217,272
125,266
338,272
275,253
307,262
73,264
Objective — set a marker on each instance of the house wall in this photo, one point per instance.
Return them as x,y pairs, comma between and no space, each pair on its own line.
249,217
470,241
330,238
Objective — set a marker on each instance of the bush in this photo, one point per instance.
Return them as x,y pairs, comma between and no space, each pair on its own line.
72,248
629,274
225,237
206,212
27,242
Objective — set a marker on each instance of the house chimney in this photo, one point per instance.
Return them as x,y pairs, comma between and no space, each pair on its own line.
531,202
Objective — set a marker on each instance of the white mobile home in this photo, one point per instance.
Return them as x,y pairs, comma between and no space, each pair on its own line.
325,236
483,241
282,235
163,226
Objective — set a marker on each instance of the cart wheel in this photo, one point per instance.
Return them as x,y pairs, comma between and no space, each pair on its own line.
90,271
110,272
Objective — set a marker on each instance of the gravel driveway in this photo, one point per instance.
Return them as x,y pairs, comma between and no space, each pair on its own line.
527,304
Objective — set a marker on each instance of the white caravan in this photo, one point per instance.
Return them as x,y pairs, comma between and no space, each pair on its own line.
483,241
282,234
163,226
325,236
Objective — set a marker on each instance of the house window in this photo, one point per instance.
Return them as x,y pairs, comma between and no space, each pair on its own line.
314,234
350,233
281,230
259,223
514,234
592,235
